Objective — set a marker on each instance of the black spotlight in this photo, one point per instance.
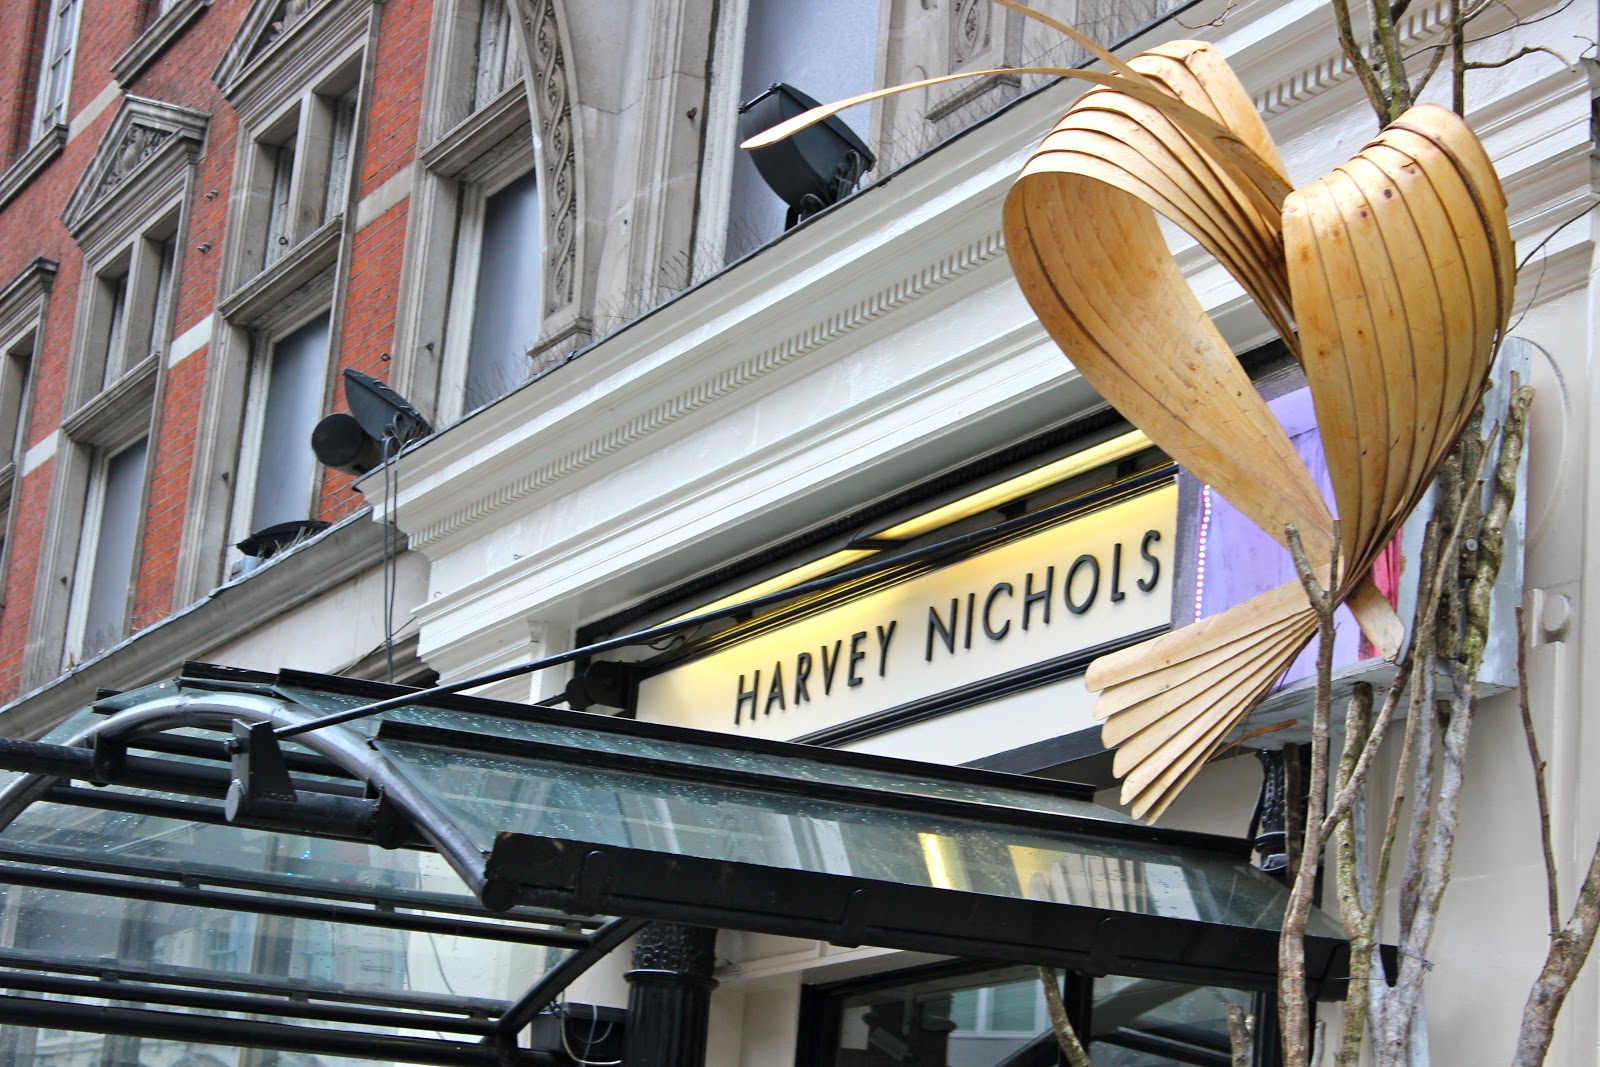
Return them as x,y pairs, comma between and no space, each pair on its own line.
816,167
353,443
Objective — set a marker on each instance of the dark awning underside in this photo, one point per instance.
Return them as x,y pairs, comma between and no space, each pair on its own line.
339,914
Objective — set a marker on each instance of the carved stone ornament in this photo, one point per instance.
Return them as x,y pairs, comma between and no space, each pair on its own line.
142,131
549,91
268,22
969,30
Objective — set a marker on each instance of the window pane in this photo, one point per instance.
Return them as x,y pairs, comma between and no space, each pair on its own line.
825,48
285,465
505,317
1140,1022
55,74
166,253
116,290
106,618
949,1019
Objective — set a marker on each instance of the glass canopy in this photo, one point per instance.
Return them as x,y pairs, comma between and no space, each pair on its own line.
415,885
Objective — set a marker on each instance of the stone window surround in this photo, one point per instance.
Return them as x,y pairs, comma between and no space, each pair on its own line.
264,82
460,171
466,156
141,179
24,302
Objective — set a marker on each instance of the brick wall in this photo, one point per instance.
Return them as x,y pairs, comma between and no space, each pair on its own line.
30,226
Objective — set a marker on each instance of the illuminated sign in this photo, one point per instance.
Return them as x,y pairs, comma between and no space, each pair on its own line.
1083,583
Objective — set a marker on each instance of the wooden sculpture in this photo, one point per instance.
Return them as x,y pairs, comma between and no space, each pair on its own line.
1390,279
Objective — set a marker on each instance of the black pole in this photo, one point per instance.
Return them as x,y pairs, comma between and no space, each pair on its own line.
669,996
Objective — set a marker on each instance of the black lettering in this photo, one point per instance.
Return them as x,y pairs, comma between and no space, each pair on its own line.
1116,574
802,675
1085,560
828,667
775,691
946,634
1030,598
884,637
988,608
1150,538
856,656
972,613
747,694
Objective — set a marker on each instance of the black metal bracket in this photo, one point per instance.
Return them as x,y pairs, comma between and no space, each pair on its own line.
259,773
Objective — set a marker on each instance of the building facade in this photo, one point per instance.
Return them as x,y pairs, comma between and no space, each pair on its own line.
530,218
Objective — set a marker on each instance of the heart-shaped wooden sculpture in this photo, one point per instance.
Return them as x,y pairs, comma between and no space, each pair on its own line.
1390,279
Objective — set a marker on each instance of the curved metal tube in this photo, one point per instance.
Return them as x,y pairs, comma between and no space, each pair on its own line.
350,750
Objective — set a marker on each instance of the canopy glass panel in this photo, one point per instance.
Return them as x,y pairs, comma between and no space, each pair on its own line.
136,904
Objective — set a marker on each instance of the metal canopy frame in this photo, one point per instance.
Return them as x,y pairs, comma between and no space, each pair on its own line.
350,781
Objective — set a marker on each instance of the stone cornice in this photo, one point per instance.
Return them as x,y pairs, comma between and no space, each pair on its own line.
718,386
38,156
156,37
140,159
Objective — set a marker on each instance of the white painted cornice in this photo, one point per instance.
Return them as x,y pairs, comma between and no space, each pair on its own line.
678,437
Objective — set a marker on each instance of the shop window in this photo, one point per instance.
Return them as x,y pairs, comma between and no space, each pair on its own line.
980,1015
55,71
277,470
107,552
828,50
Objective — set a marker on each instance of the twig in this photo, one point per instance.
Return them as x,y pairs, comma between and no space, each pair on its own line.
1525,50
1552,888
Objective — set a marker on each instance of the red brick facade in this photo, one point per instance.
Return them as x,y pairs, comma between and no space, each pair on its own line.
31,227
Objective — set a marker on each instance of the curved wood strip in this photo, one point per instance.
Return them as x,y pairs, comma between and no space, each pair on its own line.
1098,274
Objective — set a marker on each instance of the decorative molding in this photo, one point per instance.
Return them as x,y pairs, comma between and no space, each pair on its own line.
155,39
21,297
1335,69
715,388
275,291
460,152
117,414
550,95
268,25
147,137
38,156
969,30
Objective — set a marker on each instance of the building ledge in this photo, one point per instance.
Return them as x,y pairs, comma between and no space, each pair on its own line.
31,162
155,39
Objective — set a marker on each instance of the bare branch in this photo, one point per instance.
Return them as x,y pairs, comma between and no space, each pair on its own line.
1568,952
1293,1012
1358,61
1066,1036
1525,50
1552,888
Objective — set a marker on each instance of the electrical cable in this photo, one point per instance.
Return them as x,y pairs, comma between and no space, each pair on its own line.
589,1042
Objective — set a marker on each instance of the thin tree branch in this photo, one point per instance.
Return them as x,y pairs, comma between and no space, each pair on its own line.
1552,887
1569,950
1293,1011
1358,61
1067,1037
1524,51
